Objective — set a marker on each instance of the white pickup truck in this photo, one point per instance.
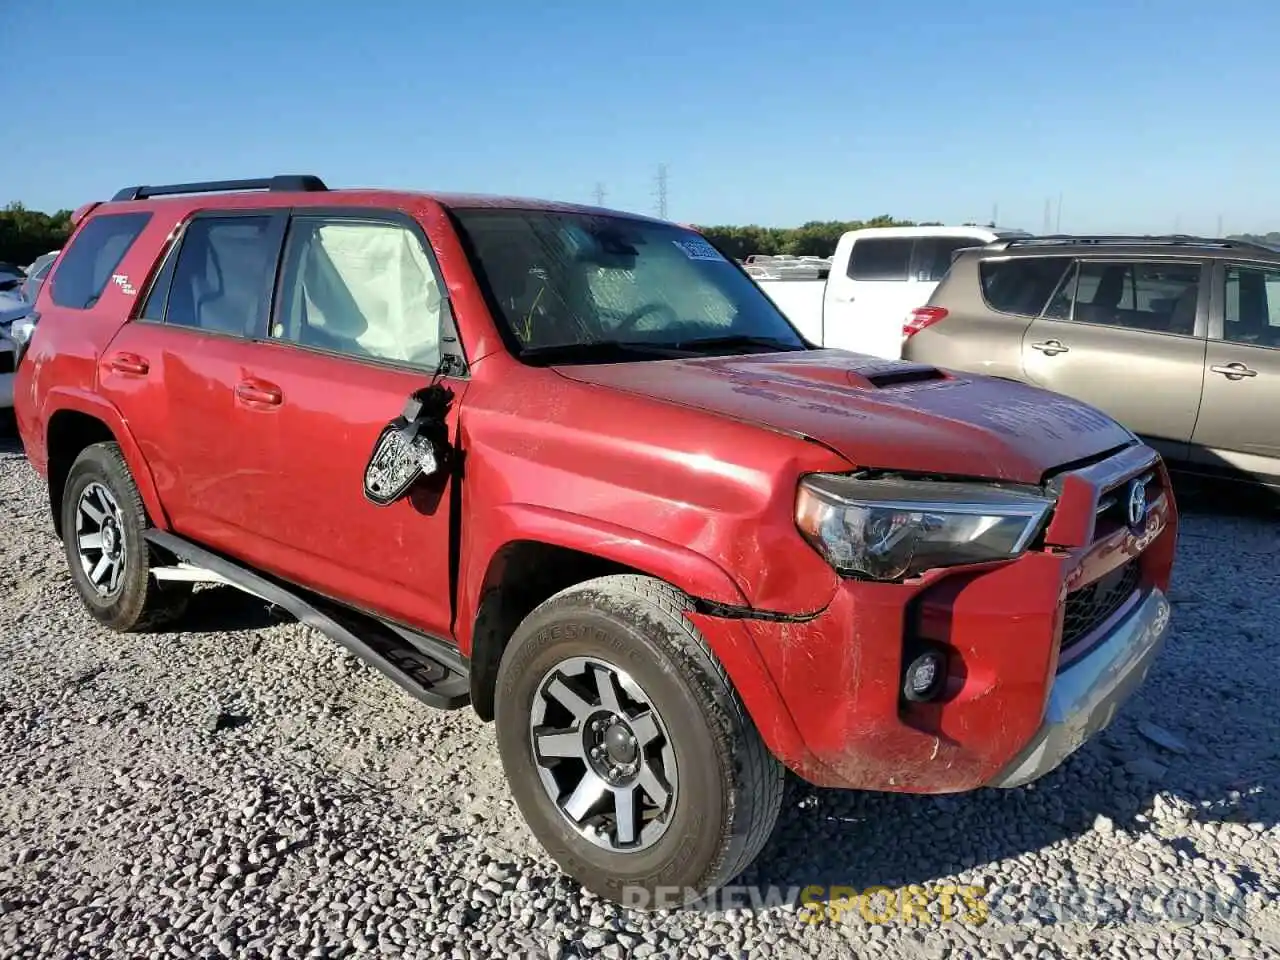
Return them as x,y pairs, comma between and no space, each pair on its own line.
878,276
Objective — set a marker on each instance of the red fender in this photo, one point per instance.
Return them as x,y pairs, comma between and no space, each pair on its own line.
59,399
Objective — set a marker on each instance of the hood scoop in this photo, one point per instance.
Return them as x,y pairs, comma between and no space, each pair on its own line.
899,376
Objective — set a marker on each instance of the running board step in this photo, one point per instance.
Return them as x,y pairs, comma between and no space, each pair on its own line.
431,670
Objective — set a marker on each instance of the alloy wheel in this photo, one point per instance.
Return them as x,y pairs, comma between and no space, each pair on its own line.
603,754
100,539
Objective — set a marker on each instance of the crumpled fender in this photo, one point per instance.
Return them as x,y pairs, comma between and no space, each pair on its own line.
701,578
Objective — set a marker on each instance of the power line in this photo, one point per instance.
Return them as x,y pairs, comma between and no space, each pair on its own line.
662,191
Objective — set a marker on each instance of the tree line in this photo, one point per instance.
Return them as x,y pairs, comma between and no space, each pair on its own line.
817,238
26,234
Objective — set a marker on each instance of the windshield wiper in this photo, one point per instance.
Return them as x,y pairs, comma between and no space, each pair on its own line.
597,351
730,342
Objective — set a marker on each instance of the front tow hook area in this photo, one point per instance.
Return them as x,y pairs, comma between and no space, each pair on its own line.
1086,695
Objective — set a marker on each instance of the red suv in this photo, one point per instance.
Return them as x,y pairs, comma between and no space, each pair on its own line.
572,467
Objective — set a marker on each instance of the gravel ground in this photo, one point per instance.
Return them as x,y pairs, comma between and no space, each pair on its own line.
246,789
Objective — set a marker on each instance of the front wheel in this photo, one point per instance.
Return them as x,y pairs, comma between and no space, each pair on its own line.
627,750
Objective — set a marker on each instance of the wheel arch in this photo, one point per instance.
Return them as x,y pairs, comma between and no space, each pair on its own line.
524,554
539,552
78,421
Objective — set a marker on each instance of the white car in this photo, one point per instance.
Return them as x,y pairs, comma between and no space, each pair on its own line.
878,276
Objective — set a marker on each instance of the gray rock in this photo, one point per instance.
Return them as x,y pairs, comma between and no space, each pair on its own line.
1161,737
1147,769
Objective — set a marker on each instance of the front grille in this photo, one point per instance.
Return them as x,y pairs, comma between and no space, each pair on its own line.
1091,605
1113,505
6,362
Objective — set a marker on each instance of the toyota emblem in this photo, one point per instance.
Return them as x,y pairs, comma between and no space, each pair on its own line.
1137,502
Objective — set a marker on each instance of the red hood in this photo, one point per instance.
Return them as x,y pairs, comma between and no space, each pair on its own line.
881,413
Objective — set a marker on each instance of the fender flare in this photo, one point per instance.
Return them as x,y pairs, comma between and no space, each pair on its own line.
705,582
508,523
61,399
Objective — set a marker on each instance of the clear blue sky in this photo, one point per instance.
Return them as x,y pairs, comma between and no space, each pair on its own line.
1143,115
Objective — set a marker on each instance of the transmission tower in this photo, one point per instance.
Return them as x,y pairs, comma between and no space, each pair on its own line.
662,191
599,194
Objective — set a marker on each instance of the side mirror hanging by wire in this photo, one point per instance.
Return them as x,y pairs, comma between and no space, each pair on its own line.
412,446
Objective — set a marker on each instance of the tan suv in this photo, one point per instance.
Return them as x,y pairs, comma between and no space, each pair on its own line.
1176,337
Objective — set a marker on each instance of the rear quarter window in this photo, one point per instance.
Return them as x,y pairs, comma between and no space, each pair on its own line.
1022,286
94,254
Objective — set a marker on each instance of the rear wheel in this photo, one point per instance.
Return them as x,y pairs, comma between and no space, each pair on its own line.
103,519
628,752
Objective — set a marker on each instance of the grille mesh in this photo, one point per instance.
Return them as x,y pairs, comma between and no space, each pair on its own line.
1088,607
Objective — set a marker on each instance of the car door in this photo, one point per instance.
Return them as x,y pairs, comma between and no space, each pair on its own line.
356,328
871,289
1127,336
1238,431
179,373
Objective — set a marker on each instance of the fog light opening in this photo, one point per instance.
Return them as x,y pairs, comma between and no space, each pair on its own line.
925,676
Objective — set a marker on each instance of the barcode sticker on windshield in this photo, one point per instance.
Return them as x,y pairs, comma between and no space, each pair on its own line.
697,249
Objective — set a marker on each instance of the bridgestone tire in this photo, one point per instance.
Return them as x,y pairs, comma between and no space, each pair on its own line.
730,786
142,602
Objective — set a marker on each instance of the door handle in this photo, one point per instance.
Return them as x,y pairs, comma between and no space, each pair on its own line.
259,392
129,363
1233,371
1051,348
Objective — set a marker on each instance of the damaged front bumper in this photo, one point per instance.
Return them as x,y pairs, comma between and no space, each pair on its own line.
1087,693
1022,690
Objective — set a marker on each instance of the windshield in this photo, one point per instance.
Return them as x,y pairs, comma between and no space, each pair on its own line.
580,287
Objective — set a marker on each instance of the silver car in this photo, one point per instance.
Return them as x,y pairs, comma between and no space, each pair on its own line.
1176,337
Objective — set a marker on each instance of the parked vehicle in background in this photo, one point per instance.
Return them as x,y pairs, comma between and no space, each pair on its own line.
1177,337
36,274
7,359
876,276
792,268
572,467
11,276
17,296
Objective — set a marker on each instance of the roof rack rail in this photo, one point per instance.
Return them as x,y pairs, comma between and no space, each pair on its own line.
285,183
1172,240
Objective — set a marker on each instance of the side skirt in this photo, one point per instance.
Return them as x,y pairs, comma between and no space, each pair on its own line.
430,669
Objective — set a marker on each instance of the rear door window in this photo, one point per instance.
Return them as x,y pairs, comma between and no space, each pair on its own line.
1157,296
222,276
881,258
94,254
1021,286
1251,312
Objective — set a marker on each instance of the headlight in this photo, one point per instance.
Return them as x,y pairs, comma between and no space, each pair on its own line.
886,529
